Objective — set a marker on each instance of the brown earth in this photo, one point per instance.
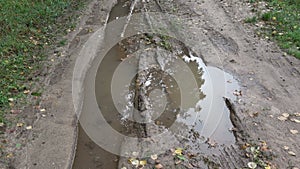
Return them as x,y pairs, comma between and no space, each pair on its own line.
267,77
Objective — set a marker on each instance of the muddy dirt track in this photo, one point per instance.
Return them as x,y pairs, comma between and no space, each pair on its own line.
262,114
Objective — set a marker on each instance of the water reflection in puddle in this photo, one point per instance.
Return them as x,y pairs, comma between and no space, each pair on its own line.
201,119
203,116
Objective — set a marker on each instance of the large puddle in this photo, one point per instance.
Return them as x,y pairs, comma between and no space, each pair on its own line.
190,108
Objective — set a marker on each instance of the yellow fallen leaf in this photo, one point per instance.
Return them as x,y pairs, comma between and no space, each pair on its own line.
143,162
130,160
19,124
178,151
10,155
268,167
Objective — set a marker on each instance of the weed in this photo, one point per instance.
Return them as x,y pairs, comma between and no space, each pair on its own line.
27,28
282,24
251,20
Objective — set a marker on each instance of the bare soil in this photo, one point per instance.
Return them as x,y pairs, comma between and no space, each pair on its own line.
269,83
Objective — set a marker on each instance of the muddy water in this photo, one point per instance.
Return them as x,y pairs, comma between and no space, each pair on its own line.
89,155
209,120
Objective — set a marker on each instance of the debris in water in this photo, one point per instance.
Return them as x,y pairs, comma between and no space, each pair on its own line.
211,143
237,93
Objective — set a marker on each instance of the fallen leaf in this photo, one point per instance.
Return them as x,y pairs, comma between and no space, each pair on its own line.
135,162
286,147
18,145
181,157
178,151
20,124
295,120
1,124
282,118
177,162
297,114
252,165
123,168
268,167
158,166
11,99
285,115
154,156
143,162
29,127
211,142
10,155
26,91
15,111
294,131
42,110
135,154
237,93
292,153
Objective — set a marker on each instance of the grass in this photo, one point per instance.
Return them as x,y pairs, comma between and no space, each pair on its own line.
27,29
282,23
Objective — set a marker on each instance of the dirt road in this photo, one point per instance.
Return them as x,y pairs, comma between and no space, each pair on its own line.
263,115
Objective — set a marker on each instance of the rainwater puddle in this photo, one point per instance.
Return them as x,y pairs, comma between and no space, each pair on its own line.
203,116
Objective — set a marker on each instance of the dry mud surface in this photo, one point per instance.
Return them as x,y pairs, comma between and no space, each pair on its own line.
269,83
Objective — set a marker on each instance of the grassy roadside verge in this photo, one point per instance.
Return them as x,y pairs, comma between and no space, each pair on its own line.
281,22
27,29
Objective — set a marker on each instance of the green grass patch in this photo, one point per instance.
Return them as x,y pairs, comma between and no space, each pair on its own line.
27,28
251,20
282,22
